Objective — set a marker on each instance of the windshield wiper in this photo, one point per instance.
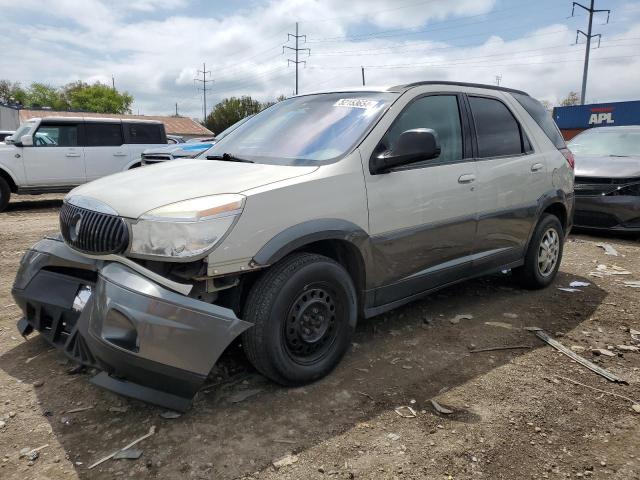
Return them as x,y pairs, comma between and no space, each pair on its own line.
621,156
226,157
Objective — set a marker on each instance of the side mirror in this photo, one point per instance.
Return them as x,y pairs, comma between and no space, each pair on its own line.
26,141
412,146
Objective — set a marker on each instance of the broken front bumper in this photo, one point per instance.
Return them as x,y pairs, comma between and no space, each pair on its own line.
151,343
608,212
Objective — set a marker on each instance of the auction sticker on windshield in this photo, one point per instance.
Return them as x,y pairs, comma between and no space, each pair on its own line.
356,103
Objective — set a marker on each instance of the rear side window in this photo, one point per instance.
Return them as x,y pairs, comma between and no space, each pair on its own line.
52,135
542,118
145,133
103,134
497,130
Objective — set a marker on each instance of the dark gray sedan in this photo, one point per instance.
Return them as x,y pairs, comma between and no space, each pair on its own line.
607,184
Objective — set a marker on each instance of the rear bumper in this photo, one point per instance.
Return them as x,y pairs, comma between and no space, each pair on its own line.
150,343
613,213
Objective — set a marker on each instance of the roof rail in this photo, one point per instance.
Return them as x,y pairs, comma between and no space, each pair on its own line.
460,84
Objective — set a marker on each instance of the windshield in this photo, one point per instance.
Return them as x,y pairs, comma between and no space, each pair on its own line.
23,130
607,141
305,130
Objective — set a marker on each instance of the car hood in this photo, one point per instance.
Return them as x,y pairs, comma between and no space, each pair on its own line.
607,167
137,191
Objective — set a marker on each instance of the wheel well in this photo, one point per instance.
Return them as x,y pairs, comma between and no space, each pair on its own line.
559,211
135,165
9,180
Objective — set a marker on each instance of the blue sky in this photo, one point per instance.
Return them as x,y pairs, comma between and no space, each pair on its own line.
155,47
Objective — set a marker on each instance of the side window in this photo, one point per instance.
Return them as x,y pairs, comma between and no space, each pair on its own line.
102,134
497,130
542,118
438,112
144,133
61,135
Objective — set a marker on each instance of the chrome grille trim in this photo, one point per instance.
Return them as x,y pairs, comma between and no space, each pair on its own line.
97,234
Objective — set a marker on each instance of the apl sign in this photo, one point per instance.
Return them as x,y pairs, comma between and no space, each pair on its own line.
601,116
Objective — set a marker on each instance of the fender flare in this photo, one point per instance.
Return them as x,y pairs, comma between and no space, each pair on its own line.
12,177
545,201
311,231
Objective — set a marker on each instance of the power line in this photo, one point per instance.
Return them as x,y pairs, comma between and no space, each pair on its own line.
204,81
296,50
589,36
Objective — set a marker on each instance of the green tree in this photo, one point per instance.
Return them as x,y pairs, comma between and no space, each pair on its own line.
12,92
96,98
231,110
572,99
43,95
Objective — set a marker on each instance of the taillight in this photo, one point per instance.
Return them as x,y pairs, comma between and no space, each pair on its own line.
569,157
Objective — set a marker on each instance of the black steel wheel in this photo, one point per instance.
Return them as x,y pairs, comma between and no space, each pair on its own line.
304,312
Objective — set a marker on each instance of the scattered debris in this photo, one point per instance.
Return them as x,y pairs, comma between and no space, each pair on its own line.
365,395
406,412
574,356
32,454
577,283
170,415
439,408
510,315
505,347
394,437
242,395
79,409
38,383
608,249
628,348
285,461
610,270
282,440
577,348
465,316
635,334
632,284
603,351
508,326
76,369
128,454
634,404
117,409
152,430
570,290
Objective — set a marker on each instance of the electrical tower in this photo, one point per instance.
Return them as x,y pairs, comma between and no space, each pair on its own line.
498,79
204,81
296,50
588,36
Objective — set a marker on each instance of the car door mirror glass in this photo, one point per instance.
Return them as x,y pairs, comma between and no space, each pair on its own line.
412,146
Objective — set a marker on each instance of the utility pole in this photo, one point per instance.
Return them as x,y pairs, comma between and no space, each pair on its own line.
498,79
588,36
296,49
177,110
204,81
362,76
113,82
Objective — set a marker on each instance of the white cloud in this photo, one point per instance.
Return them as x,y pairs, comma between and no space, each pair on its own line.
156,59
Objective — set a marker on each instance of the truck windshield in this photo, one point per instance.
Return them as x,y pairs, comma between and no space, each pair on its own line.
610,141
305,130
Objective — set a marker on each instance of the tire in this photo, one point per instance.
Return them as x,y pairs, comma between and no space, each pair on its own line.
540,269
304,311
5,194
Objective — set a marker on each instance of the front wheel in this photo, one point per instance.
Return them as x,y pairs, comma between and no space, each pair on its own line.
304,311
544,254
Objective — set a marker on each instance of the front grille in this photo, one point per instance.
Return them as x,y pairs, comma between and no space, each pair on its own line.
596,186
93,232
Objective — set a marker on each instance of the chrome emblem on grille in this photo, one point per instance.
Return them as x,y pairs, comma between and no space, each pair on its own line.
74,226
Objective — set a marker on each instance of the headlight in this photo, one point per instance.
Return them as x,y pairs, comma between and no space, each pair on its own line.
185,229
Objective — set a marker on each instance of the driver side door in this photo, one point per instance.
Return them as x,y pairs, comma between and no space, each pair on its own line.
56,158
422,216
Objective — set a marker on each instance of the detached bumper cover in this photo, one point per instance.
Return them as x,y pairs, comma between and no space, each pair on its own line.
615,212
151,343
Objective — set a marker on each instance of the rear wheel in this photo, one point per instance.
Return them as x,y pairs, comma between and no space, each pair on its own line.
544,254
5,194
304,314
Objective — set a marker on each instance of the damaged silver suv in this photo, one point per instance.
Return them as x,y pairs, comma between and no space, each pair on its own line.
320,210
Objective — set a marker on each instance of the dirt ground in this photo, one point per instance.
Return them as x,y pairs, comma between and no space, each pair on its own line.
516,413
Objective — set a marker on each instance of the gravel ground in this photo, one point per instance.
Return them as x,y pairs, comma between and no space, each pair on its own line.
516,413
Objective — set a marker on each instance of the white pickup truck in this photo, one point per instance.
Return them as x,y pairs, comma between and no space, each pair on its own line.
56,154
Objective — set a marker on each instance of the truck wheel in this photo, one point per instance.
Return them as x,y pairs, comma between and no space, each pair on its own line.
544,254
5,194
304,311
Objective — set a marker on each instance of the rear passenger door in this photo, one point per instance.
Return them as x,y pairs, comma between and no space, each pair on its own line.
511,180
422,216
104,149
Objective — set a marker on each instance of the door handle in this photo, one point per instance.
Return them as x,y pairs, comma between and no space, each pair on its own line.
466,178
73,154
536,167
119,154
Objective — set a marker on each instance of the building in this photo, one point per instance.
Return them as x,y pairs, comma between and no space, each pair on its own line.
11,117
576,118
